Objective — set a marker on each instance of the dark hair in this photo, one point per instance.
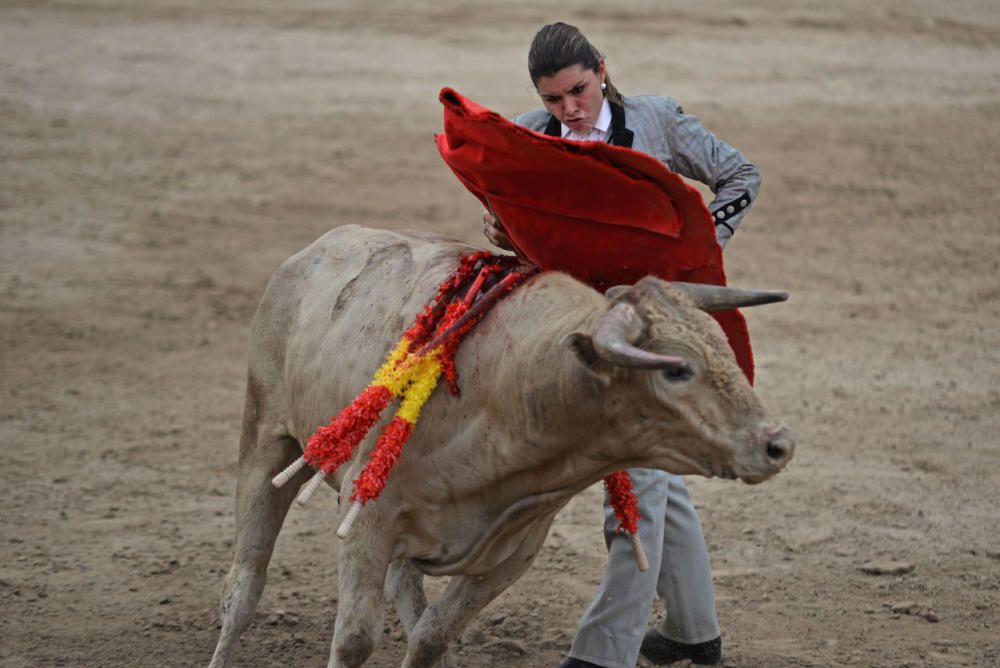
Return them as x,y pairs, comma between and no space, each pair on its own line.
560,45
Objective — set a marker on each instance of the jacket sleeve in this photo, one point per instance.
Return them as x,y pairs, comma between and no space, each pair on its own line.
698,154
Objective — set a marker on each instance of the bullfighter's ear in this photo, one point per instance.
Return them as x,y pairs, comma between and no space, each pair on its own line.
583,347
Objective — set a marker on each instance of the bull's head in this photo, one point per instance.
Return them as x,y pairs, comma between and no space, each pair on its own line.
681,380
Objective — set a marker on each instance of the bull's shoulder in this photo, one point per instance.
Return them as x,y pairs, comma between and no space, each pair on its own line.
346,251
364,273
351,241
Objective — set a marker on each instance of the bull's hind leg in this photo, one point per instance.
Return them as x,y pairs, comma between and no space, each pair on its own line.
265,449
445,619
404,585
362,563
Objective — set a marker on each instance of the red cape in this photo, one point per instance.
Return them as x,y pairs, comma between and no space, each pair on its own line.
604,214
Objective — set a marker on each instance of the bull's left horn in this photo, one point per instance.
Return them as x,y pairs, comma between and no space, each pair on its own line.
611,341
722,298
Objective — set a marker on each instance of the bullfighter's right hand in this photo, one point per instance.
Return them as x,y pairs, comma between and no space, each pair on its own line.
493,229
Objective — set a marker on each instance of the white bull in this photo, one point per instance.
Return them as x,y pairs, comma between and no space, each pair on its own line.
561,386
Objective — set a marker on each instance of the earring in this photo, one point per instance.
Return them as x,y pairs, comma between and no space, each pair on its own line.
603,86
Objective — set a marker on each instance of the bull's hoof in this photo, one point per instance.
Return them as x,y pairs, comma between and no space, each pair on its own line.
662,651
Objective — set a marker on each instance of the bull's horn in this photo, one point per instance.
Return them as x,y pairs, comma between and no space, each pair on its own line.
721,298
611,341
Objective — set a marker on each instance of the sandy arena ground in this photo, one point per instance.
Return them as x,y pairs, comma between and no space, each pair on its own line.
158,159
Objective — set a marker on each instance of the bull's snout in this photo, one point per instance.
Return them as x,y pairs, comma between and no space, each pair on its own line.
772,450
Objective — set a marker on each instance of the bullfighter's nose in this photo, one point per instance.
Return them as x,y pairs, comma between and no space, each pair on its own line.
779,445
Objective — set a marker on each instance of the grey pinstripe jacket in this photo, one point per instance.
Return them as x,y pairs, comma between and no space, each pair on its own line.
659,127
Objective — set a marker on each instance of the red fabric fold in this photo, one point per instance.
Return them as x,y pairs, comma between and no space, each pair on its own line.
604,214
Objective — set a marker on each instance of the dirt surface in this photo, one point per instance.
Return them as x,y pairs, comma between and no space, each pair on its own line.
161,158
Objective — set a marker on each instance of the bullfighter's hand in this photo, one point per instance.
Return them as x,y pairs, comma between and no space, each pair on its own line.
493,229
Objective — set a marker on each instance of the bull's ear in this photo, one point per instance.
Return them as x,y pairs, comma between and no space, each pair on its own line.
616,291
583,347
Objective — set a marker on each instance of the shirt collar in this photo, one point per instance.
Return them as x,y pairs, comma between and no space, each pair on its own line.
602,124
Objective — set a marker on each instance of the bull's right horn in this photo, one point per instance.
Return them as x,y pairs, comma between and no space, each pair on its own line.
612,336
721,298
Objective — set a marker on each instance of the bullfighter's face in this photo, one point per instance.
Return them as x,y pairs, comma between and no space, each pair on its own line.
574,96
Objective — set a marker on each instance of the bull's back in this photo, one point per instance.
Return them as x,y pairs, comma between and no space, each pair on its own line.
332,311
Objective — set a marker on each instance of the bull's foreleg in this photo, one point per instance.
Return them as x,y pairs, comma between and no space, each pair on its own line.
445,619
260,512
361,571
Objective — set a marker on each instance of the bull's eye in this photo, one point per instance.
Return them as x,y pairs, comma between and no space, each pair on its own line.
678,374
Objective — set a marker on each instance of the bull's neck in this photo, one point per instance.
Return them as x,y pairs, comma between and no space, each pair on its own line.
540,402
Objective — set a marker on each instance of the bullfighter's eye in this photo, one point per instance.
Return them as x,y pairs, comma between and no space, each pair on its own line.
678,374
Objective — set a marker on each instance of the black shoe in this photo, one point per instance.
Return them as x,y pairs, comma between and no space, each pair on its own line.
570,662
662,650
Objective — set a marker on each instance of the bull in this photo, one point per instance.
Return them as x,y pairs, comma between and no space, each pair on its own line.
560,386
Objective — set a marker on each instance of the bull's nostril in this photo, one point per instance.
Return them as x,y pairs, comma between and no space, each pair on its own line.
776,452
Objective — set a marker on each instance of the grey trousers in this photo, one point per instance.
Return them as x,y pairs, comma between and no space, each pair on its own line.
611,630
